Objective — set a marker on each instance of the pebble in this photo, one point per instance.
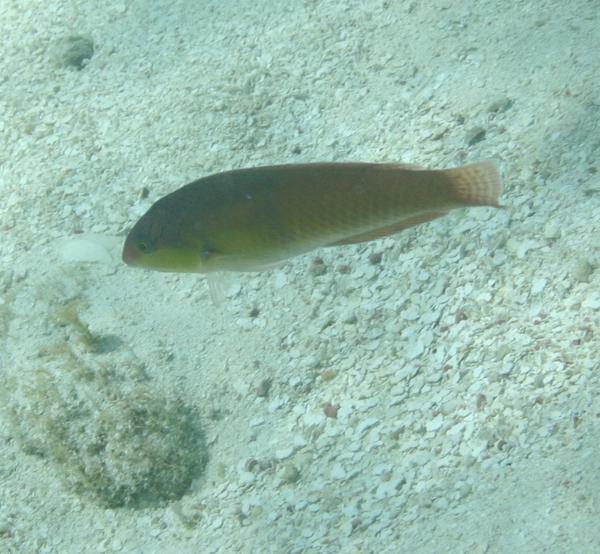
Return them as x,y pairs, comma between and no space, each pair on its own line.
89,248
314,419
354,446
552,229
374,333
246,478
366,424
347,362
520,247
414,349
385,490
498,258
233,290
412,313
74,51
500,104
463,489
407,373
244,323
299,442
155,532
477,447
449,406
435,377
338,473
435,424
309,362
538,285
280,279
582,270
475,135
456,430
370,272
284,453
348,316
441,503
275,404
289,474
592,302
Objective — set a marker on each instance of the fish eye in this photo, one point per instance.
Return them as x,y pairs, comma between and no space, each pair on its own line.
143,246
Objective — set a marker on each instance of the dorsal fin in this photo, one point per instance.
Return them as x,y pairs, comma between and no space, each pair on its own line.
395,166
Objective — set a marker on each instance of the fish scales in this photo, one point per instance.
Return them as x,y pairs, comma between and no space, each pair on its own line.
251,218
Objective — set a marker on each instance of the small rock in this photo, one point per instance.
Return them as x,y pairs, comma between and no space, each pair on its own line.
74,51
263,388
318,266
478,446
414,349
441,503
506,369
435,423
474,135
411,313
246,478
366,424
552,230
309,362
500,104
233,290
385,490
284,453
87,248
313,419
299,442
338,473
280,280
275,404
289,474
375,258
463,489
348,316
538,285
244,323
592,302
6,280
331,410
520,246
582,270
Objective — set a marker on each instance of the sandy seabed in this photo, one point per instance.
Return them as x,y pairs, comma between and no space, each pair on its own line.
436,391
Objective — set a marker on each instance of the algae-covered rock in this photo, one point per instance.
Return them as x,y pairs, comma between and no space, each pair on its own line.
121,443
74,394
73,51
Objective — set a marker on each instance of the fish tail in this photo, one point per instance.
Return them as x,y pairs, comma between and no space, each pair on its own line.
476,184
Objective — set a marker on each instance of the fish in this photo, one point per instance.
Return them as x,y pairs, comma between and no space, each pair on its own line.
256,218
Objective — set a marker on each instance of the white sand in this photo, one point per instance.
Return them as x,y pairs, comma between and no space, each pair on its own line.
466,363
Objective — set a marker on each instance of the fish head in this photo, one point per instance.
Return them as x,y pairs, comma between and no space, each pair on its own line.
153,245
142,252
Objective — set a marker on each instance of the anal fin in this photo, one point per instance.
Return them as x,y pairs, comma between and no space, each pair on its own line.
390,229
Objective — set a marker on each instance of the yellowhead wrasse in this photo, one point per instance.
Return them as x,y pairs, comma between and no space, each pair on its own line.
251,219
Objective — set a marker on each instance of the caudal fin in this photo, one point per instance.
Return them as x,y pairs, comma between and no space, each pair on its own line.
476,184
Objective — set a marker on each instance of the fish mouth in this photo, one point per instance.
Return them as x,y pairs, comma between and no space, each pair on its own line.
130,254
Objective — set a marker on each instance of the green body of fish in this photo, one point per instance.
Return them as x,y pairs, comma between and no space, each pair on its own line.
250,219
